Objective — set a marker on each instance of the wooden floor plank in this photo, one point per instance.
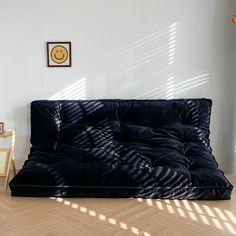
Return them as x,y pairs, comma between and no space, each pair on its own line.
118,217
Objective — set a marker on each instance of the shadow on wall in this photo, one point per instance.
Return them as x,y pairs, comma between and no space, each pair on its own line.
205,213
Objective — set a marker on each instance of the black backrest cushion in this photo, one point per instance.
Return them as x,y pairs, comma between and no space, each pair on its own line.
45,122
81,122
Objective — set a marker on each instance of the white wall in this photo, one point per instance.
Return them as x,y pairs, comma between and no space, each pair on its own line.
120,49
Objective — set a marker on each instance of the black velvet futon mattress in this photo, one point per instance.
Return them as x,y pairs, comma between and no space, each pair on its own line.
121,148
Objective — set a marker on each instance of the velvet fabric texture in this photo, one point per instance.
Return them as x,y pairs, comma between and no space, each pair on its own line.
121,148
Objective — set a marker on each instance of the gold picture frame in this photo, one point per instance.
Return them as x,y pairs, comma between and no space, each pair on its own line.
59,54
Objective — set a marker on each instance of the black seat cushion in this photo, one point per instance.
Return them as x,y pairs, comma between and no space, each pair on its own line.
121,148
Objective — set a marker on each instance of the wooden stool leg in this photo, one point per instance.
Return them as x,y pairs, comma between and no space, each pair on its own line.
13,140
8,168
13,167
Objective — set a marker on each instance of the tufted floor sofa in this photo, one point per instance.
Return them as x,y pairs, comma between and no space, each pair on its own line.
121,148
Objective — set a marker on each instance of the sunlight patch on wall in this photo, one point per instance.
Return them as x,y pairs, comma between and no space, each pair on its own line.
170,89
172,43
170,92
75,91
138,56
192,83
118,55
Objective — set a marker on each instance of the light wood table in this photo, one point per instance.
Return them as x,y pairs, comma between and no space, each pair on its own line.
9,160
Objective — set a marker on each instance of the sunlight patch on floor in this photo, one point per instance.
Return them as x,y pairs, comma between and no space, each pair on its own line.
211,216
92,213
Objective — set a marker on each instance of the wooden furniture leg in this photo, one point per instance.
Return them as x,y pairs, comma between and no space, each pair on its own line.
9,159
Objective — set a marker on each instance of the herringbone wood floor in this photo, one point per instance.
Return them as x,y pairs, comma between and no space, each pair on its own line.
120,217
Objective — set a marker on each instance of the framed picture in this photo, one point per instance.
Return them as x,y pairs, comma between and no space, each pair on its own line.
59,54
1,127
4,159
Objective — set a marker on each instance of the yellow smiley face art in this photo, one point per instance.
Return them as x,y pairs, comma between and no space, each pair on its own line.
59,54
